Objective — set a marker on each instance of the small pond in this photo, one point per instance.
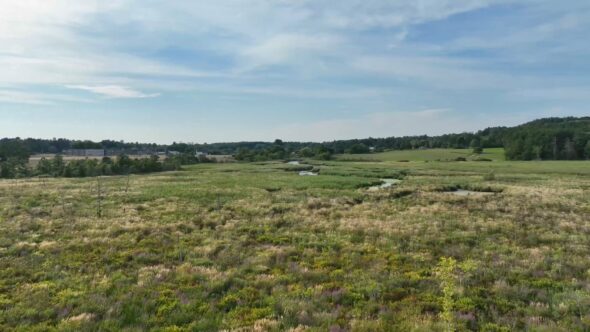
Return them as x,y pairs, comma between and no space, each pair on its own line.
307,173
386,184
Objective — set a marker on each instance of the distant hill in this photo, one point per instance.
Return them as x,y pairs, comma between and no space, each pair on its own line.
542,139
550,138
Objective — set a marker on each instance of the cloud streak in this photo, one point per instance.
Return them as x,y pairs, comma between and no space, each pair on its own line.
378,124
114,91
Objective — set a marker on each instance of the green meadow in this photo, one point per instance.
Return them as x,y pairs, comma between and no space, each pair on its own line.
425,155
257,247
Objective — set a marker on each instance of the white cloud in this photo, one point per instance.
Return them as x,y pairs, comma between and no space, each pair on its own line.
63,42
378,124
362,14
70,42
114,91
435,121
436,72
35,98
529,36
580,93
286,48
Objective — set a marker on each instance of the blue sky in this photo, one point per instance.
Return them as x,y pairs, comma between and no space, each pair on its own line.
234,70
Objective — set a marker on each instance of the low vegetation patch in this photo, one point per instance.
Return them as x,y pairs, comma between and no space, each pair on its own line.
469,187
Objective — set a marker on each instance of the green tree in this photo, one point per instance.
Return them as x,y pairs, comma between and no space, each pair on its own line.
13,148
323,153
44,167
277,150
244,154
555,148
476,146
57,166
359,148
123,164
570,150
306,152
86,145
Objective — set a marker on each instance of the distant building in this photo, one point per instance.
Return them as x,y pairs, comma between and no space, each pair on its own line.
200,154
130,152
85,152
173,153
221,158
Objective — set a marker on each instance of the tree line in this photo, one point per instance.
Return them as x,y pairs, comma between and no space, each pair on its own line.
58,167
545,139
279,150
58,145
14,167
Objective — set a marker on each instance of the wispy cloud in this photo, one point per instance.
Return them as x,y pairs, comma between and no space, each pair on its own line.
34,98
435,121
114,91
379,124
290,49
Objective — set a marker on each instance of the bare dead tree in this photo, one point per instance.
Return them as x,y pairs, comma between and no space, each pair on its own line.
180,251
127,184
98,197
63,201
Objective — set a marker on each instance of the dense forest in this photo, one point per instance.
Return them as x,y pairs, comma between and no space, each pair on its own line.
549,139
544,139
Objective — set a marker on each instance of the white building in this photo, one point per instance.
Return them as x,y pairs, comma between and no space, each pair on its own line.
85,152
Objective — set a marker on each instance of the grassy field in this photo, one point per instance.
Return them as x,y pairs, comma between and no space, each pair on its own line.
256,247
424,155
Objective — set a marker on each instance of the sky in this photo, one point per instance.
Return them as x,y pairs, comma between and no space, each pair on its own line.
304,70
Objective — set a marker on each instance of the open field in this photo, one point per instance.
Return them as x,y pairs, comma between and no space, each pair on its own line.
258,247
425,155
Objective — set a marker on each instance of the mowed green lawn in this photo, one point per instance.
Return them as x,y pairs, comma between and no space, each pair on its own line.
256,247
425,155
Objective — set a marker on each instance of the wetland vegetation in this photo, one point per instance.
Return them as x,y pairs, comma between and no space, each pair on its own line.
250,246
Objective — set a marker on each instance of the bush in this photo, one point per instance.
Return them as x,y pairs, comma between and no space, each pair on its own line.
490,176
359,148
